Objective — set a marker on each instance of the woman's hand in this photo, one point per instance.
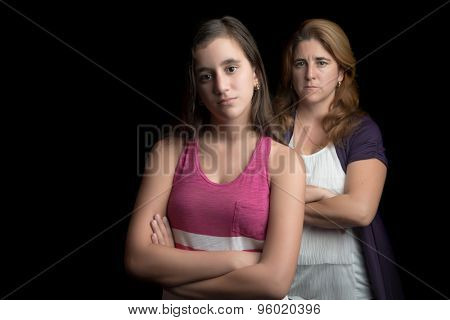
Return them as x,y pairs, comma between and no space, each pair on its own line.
328,194
162,233
313,194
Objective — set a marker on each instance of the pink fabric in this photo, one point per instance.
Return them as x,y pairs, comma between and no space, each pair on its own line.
238,209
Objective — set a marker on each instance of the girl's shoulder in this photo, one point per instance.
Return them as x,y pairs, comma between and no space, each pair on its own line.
282,158
167,150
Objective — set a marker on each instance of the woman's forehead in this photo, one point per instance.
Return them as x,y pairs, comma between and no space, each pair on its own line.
311,48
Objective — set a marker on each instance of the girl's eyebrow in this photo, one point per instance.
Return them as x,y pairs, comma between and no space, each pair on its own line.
230,61
223,63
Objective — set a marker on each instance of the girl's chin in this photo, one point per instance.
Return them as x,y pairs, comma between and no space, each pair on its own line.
230,114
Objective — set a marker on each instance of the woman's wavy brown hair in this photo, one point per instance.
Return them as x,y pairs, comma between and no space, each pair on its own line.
344,113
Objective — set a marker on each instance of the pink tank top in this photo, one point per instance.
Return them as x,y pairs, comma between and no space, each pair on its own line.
205,215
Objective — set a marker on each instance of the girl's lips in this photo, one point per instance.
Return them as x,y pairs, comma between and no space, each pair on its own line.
227,101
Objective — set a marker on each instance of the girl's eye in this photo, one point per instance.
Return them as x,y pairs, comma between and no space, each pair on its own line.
232,69
205,77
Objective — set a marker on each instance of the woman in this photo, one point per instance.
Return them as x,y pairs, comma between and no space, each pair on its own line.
346,169
219,183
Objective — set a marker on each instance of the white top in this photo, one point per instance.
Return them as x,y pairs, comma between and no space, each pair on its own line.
330,264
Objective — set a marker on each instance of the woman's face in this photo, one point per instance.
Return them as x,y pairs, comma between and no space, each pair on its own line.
315,73
225,80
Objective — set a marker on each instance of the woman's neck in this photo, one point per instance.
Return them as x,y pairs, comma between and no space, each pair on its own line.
312,113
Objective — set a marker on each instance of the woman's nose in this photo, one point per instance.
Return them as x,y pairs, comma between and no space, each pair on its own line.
310,72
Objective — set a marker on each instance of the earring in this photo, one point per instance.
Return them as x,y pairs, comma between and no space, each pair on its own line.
257,86
339,84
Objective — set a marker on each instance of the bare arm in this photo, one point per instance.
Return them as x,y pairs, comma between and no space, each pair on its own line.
162,264
359,203
272,276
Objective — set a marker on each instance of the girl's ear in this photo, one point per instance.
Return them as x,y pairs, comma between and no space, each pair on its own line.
255,77
256,84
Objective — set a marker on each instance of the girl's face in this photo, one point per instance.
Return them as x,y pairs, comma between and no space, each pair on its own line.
225,80
315,73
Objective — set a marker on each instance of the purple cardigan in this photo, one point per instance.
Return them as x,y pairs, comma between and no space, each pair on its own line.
366,143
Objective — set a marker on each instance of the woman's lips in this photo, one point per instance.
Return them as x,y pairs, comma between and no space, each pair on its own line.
312,89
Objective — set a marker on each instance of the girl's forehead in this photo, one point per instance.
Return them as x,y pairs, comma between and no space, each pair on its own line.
219,50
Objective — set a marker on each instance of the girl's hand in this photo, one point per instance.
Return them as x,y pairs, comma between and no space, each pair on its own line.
246,259
162,233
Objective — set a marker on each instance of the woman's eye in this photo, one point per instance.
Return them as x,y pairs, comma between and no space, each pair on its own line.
232,69
300,63
322,63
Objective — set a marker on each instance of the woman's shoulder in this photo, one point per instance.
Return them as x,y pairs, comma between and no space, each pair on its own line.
365,142
366,127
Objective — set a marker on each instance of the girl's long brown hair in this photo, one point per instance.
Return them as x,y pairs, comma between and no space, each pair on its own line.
196,115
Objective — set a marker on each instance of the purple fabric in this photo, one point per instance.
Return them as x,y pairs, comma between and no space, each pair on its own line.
366,143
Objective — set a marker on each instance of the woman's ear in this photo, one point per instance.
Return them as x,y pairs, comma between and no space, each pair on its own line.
341,75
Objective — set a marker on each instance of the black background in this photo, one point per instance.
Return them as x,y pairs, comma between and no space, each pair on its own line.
69,147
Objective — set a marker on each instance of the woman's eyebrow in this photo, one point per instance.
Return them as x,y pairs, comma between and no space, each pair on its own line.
316,58
323,58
